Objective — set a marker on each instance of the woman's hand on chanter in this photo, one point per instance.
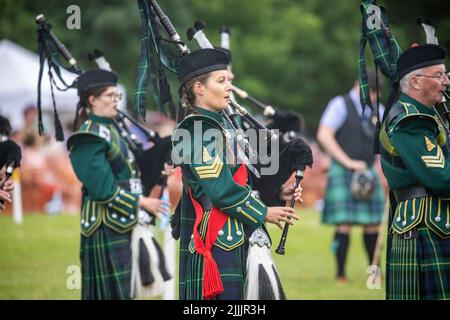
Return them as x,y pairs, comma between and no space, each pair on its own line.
276,215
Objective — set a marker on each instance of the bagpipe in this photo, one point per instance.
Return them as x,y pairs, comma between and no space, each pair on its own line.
136,135
376,31
149,271
287,122
429,27
262,281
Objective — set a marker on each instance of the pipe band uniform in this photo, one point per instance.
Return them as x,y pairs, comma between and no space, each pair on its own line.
219,212
415,160
104,163
148,261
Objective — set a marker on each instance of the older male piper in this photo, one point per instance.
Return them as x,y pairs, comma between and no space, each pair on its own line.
415,160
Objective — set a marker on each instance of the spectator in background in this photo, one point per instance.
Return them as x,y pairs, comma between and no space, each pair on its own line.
38,182
346,132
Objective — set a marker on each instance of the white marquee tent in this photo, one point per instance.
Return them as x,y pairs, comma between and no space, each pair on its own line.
19,69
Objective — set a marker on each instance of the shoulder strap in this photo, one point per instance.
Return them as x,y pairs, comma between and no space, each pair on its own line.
92,129
393,113
351,108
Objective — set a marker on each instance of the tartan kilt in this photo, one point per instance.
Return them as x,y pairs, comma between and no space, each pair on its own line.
231,266
105,265
418,268
231,263
339,205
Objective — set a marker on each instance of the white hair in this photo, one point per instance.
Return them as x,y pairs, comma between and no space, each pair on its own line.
405,82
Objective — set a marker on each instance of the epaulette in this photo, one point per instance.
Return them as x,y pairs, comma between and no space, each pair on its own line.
92,129
399,113
402,111
188,121
198,117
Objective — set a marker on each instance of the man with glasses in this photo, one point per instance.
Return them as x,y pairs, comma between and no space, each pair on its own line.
414,157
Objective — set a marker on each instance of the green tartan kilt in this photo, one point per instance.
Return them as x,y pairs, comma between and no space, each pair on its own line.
105,265
231,266
418,268
339,205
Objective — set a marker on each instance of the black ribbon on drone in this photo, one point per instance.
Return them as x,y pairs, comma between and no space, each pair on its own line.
47,45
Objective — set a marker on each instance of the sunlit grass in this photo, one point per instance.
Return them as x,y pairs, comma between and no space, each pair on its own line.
35,256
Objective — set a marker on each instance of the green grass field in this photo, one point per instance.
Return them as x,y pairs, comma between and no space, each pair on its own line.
35,257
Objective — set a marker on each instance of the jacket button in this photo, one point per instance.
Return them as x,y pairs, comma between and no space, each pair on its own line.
122,192
404,223
86,225
413,217
220,232
82,221
114,215
92,218
192,236
117,198
447,225
123,219
131,216
110,205
238,209
229,238
247,203
239,233
399,219
437,219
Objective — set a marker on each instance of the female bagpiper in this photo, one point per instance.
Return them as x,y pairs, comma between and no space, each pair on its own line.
111,196
218,209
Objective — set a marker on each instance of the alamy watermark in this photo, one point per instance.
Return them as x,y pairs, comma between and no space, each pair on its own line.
374,19
374,277
73,281
252,147
73,21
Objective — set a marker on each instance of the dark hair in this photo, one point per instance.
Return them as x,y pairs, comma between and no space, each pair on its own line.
83,104
187,96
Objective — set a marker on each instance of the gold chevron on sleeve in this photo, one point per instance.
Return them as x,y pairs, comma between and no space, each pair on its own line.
211,170
437,161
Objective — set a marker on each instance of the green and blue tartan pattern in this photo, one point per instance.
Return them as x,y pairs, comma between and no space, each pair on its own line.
231,263
339,205
231,266
384,47
152,55
418,268
105,265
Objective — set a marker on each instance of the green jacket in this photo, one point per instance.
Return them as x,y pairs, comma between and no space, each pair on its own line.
414,151
208,169
105,165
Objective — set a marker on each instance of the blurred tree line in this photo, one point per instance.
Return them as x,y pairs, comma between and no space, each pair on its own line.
293,54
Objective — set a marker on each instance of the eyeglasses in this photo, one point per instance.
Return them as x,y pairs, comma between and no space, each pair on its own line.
441,77
113,96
